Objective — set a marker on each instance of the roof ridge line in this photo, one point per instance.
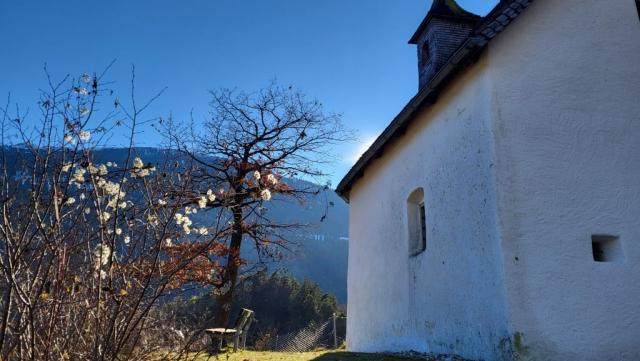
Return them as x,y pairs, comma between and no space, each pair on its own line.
494,23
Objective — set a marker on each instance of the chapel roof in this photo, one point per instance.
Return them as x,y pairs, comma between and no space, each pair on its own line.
488,27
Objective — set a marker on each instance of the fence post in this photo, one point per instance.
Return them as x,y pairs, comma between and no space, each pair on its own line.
335,332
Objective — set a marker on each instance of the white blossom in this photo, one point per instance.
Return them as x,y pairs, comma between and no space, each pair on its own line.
118,231
272,179
87,210
102,253
113,203
66,167
265,194
127,239
111,188
137,163
105,216
141,173
68,138
178,218
70,201
152,219
102,170
203,231
256,175
184,221
168,243
122,205
86,78
202,202
84,111
81,90
92,168
84,135
211,196
78,175
162,202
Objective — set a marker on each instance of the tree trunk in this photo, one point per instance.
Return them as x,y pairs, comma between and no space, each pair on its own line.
223,307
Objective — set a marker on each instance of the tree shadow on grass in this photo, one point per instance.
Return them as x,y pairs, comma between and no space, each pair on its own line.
353,356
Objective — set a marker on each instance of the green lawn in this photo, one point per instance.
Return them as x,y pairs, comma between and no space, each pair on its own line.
304,356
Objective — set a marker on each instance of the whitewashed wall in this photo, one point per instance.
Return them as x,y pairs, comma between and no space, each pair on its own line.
556,98
566,103
450,298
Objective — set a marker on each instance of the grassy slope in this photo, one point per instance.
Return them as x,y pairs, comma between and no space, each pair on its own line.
306,356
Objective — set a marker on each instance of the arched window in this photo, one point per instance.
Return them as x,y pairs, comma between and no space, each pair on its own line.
417,222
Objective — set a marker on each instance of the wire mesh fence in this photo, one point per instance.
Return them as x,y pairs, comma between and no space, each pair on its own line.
329,334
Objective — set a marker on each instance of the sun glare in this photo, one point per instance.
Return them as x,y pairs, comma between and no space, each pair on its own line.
362,147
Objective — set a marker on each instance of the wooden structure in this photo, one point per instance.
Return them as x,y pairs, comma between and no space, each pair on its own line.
237,334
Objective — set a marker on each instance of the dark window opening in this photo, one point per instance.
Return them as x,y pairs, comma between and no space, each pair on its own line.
606,248
423,225
638,8
417,222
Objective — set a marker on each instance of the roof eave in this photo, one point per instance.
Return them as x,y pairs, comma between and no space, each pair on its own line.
398,126
492,24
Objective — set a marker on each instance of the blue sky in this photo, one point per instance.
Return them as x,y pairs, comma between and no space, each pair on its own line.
350,54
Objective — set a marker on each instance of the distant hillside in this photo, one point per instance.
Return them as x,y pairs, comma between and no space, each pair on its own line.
319,251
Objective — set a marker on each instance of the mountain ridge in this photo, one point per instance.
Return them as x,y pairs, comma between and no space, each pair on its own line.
319,249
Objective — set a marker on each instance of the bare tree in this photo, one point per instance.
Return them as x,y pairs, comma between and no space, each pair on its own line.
86,246
248,149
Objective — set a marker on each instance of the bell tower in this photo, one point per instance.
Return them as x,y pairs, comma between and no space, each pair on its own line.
443,30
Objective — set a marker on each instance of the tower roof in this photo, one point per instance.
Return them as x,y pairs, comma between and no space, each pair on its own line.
450,8
444,9
487,28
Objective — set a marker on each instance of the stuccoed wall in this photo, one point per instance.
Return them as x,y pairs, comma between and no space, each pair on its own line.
449,298
556,98
566,104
